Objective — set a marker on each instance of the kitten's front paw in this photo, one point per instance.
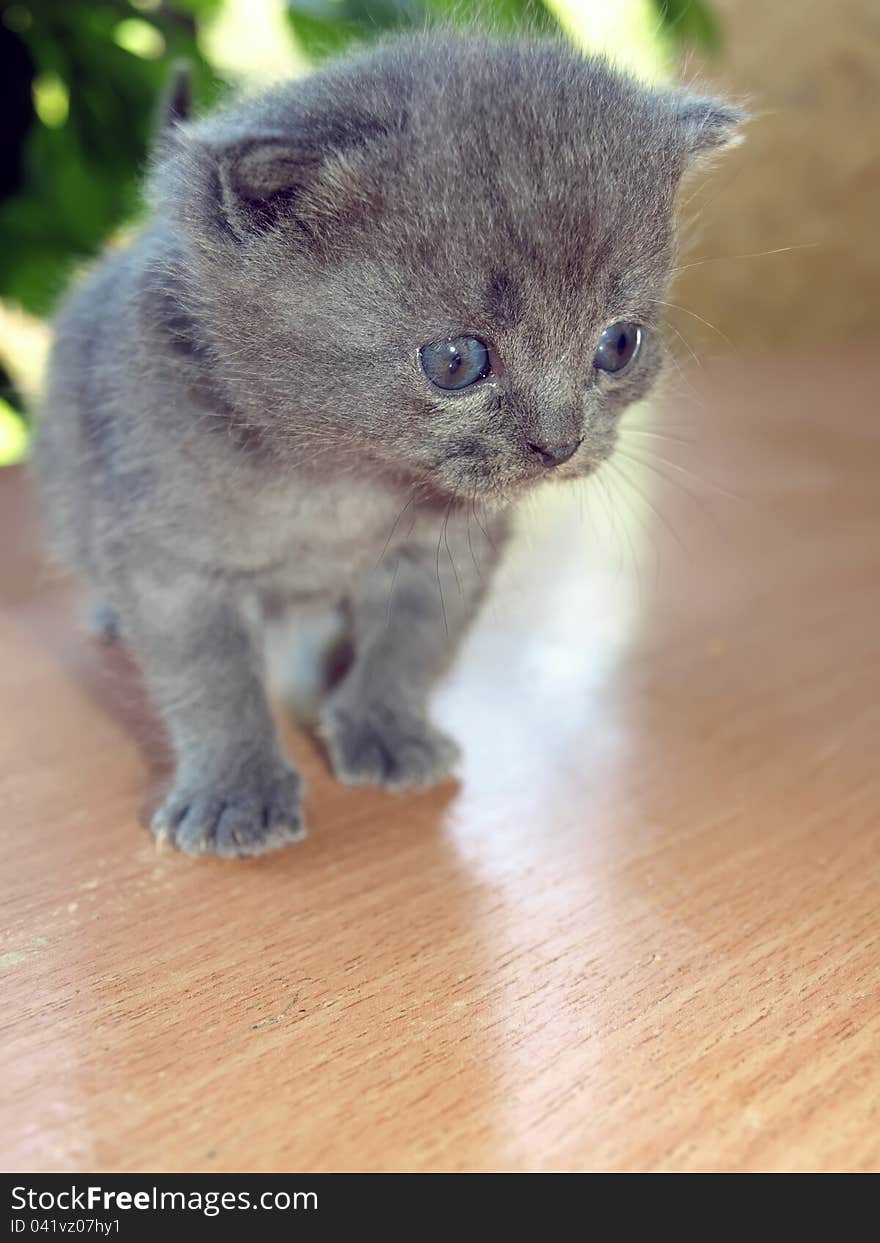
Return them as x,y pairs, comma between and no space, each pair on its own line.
387,747
233,819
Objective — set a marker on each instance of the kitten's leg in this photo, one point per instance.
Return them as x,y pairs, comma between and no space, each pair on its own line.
404,633
234,793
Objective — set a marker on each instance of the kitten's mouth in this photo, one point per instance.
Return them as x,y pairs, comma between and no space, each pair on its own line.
579,465
469,472
499,490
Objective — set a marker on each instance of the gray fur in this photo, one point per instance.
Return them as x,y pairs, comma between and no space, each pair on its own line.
237,423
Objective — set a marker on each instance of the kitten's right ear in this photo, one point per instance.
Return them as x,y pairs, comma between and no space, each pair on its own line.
259,181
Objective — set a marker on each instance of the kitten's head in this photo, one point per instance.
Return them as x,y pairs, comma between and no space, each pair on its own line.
446,256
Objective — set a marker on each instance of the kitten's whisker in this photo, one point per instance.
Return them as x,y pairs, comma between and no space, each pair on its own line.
412,497
677,483
686,310
653,508
722,188
757,254
439,580
391,592
684,381
687,345
645,525
632,552
489,538
641,431
468,513
610,516
701,482
448,549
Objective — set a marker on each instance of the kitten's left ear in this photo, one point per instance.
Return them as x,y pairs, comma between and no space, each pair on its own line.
705,124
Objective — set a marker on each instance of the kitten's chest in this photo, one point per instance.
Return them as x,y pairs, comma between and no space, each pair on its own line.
323,536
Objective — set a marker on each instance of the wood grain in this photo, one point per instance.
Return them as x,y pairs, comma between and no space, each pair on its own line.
641,933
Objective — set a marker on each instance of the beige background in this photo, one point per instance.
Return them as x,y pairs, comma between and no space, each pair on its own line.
807,176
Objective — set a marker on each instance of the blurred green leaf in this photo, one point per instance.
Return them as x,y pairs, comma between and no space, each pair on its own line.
200,8
690,21
326,27
79,179
13,435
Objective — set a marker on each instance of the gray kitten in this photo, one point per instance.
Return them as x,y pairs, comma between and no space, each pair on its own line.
369,311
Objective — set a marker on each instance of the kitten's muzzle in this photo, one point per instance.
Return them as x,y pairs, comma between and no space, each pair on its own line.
551,455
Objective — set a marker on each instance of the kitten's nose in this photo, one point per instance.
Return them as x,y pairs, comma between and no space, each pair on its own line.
555,455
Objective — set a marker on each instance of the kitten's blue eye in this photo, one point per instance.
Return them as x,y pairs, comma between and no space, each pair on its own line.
455,364
618,346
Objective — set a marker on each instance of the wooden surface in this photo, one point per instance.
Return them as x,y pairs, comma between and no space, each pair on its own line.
642,933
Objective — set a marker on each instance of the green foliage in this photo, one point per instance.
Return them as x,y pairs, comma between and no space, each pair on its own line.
75,171
326,27
690,21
